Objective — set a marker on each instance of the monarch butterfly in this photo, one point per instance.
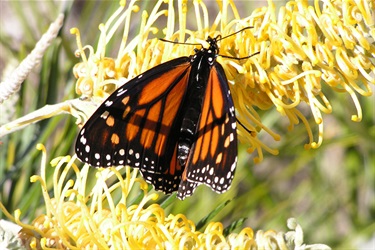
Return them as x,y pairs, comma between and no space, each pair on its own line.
175,122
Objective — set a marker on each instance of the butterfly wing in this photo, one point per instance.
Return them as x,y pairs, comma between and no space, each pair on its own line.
213,156
137,126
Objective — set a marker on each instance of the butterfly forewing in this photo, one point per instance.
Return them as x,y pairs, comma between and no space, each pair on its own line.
137,126
214,155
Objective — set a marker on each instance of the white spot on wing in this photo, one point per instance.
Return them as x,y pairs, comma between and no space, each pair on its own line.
83,140
108,103
231,136
121,91
104,115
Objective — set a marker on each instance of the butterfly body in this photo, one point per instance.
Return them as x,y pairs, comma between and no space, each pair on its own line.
201,64
175,122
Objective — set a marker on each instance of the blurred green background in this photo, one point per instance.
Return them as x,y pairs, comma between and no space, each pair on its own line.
330,190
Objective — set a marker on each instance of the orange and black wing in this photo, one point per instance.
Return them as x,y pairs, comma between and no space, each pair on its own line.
138,126
213,157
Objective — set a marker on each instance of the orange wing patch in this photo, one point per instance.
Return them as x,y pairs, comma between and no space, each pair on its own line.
161,116
115,139
159,86
213,109
110,121
132,127
217,103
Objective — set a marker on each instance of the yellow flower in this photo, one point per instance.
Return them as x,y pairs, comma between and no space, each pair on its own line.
115,213
302,50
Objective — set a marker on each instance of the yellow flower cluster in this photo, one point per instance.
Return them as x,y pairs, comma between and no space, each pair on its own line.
305,47
103,216
302,49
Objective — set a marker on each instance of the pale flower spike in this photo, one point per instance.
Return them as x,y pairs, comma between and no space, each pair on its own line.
13,82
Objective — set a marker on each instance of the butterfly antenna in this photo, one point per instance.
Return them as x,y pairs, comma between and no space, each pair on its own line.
240,58
169,41
237,58
246,28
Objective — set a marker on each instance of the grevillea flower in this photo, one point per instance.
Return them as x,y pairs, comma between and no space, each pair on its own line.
302,50
105,216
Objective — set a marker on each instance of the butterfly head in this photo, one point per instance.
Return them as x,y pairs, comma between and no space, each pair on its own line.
210,52
213,44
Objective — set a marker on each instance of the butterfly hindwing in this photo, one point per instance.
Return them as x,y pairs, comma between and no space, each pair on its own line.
213,157
137,125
